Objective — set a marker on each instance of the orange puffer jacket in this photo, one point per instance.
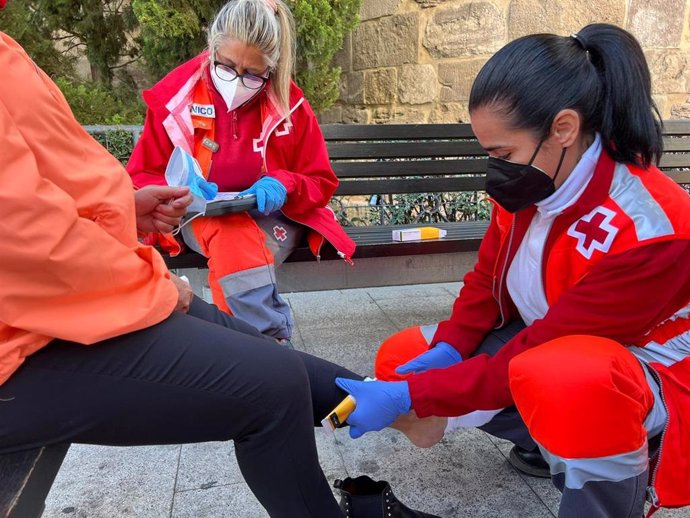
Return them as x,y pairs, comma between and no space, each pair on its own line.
70,263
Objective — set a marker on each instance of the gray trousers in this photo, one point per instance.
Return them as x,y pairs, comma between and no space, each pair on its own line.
595,498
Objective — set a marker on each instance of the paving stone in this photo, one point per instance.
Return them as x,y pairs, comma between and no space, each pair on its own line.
109,482
206,465
231,501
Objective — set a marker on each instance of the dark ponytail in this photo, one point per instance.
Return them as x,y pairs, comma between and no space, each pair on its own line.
601,73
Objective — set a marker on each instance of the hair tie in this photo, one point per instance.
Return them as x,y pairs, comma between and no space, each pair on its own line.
272,5
579,40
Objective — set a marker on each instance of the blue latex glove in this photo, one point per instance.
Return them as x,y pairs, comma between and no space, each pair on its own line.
270,194
379,403
440,356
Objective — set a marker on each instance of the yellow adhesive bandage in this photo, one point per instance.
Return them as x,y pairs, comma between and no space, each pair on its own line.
339,414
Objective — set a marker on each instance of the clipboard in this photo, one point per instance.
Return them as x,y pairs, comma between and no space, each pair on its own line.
230,205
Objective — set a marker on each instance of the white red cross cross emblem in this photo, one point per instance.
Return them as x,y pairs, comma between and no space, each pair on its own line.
594,231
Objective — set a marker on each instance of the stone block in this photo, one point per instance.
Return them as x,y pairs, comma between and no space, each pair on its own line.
561,16
444,113
356,115
354,83
380,86
474,28
680,110
430,3
387,42
399,115
665,105
332,115
669,68
456,79
343,58
377,8
657,23
417,84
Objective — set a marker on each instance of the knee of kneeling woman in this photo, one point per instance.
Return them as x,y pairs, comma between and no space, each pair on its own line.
574,391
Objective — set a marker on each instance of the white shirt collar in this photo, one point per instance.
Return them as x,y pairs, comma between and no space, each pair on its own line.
573,187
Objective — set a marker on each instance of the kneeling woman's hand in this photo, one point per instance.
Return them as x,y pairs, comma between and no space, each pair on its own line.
378,404
441,356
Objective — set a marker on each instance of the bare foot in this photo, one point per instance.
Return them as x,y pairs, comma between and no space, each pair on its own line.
424,432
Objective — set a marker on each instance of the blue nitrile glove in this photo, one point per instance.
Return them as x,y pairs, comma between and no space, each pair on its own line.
440,356
270,194
379,403
183,171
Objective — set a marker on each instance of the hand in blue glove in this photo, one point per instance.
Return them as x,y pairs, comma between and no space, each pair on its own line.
379,403
270,194
440,356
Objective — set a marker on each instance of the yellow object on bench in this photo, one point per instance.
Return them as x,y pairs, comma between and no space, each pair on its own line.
420,233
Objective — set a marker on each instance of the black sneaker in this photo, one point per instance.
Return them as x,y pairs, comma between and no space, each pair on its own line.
529,462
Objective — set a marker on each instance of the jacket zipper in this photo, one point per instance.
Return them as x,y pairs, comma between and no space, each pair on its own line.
542,272
651,492
503,274
234,125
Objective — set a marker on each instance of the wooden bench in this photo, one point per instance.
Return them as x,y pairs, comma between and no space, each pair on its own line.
372,160
382,160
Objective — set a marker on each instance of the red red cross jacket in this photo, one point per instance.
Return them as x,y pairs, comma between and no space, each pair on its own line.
616,264
292,151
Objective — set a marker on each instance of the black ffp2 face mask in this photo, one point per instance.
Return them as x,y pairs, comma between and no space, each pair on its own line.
517,186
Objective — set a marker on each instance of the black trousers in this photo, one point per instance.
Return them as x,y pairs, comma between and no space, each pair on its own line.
203,376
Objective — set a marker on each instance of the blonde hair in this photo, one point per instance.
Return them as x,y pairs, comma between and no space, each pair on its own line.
272,31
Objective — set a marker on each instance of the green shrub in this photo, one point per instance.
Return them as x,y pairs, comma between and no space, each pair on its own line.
118,142
321,29
402,209
95,103
172,31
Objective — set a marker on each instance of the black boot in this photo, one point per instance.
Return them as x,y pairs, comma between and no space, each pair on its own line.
363,497
529,462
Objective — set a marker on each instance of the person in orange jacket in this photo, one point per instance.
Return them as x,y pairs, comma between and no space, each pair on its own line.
571,336
236,109
100,344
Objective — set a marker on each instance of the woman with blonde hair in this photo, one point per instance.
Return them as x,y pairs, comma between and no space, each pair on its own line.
236,109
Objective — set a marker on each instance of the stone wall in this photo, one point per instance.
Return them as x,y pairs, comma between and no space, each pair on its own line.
413,61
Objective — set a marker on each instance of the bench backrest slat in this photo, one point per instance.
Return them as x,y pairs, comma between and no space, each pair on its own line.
363,132
345,170
682,177
676,127
410,149
434,158
411,185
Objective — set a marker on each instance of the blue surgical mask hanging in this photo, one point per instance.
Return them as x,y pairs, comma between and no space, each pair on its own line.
184,171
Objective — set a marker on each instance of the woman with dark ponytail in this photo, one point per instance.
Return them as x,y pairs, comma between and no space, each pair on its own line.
571,336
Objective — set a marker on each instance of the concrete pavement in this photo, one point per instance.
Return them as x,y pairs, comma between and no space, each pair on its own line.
466,475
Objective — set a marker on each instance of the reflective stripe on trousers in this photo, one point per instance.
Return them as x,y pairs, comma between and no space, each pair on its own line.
243,251
592,406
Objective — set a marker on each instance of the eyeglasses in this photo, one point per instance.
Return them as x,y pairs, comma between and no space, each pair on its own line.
228,73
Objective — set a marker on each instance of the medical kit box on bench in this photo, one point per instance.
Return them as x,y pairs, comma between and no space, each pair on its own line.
417,234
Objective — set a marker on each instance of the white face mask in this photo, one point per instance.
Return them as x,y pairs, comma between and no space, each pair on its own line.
234,93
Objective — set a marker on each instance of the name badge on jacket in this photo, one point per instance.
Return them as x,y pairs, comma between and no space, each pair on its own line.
204,110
